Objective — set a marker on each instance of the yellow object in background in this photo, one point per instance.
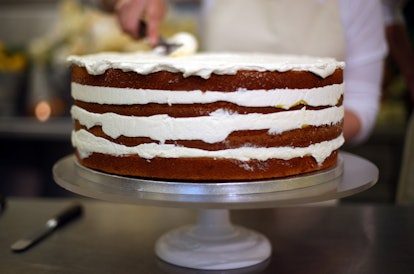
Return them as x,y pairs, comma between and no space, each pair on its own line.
11,61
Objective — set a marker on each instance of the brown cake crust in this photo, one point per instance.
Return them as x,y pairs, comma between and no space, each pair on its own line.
247,79
204,169
185,110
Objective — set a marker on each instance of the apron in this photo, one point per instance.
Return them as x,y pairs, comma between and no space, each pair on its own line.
309,27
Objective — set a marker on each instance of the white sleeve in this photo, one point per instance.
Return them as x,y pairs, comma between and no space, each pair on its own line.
366,49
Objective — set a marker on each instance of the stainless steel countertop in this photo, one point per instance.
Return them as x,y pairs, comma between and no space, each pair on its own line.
119,238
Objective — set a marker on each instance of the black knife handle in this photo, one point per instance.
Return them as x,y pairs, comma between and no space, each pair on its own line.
142,31
67,215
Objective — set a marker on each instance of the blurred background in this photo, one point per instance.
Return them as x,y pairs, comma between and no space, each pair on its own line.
36,36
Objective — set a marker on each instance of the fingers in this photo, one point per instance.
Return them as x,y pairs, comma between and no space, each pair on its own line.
155,12
129,13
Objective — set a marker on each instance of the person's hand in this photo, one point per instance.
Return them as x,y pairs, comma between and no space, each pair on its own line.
130,12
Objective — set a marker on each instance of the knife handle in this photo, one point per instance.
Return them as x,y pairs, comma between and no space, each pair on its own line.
142,31
65,216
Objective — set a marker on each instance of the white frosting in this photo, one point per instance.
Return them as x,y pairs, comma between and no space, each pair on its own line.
87,143
204,64
283,98
210,129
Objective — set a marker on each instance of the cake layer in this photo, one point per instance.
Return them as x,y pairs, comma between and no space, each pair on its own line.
205,169
260,138
211,129
175,81
189,110
87,143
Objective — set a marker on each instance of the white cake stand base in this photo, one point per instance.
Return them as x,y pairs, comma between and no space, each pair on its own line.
213,244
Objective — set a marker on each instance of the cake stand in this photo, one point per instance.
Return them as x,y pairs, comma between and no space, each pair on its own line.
214,243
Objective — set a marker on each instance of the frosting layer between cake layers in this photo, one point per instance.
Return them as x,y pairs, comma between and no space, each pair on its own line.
207,116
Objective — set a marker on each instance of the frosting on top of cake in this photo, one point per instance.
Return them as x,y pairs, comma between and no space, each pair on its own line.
204,64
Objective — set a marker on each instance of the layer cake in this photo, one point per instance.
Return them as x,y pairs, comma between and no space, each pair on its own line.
207,117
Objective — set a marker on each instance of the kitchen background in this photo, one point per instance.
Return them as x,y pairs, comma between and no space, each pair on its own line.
36,36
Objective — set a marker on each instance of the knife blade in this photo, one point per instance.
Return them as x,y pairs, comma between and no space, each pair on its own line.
62,218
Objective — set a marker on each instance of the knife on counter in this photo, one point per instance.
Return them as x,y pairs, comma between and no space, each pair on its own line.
64,217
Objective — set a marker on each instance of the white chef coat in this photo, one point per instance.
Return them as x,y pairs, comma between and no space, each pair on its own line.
349,30
283,26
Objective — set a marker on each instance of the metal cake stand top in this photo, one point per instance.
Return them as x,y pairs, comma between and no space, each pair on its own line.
352,174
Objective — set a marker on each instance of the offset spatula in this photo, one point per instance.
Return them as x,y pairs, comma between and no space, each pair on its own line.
50,226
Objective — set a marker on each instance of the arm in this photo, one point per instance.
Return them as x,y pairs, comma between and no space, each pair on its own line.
352,125
365,53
